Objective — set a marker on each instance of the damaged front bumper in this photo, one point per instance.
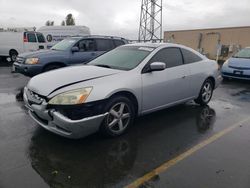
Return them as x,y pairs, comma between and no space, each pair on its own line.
56,122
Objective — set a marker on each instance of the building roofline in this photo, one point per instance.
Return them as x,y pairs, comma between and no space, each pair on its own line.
206,29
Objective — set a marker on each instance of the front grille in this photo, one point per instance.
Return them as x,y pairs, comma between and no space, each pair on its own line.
240,68
34,98
236,75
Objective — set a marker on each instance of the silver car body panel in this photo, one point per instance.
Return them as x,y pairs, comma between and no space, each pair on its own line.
153,91
66,76
57,123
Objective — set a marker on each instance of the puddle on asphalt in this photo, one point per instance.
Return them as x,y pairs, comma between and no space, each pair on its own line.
243,95
222,105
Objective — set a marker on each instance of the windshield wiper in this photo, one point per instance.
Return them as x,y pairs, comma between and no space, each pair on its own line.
103,65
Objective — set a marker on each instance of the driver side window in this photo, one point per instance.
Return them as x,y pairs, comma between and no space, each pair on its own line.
172,57
86,45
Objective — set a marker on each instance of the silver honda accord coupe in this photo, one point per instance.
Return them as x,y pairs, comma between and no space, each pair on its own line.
111,91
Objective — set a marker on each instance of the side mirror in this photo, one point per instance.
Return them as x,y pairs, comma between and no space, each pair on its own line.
157,66
74,49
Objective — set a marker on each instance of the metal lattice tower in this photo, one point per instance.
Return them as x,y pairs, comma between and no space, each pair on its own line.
151,21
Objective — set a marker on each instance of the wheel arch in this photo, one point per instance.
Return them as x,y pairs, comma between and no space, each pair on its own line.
13,50
129,95
212,79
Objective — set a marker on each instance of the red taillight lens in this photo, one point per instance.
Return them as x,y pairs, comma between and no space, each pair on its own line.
25,39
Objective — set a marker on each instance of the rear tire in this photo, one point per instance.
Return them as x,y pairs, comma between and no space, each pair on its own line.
121,115
13,55
206,93
52,67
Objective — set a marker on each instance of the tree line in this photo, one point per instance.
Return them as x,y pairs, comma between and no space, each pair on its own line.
69,20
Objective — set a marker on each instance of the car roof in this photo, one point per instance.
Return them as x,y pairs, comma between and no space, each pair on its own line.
98,37
164,45
155,45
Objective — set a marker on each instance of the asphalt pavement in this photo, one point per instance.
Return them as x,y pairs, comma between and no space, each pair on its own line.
190,146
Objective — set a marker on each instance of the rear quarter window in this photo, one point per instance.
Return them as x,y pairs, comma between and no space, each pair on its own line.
190,57
104,44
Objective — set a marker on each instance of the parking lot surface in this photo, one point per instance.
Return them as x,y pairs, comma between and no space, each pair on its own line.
216,138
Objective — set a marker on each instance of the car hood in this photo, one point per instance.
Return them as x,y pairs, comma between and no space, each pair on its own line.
239,63
49,82
40,53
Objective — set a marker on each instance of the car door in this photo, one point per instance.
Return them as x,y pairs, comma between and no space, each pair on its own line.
197,69
30,42
40,41
87,52
166,87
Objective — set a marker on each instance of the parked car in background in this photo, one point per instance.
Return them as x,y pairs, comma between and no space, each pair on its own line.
13,43
71,51
238,66
109,92
55,34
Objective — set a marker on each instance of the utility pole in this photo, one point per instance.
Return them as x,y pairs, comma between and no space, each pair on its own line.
150,21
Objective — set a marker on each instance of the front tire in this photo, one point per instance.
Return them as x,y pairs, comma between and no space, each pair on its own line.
13,55
121,115
206,93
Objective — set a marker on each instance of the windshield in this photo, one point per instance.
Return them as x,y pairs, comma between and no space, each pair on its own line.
245,53
64,44
123,58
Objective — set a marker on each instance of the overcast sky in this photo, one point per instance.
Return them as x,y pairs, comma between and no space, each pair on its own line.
121,17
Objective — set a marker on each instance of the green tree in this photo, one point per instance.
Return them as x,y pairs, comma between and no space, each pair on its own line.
70,20
49,23
63,23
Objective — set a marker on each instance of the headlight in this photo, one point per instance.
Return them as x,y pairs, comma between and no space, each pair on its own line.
32,61
78,96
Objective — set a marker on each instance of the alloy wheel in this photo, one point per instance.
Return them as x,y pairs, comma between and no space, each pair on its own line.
119,117
207,91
